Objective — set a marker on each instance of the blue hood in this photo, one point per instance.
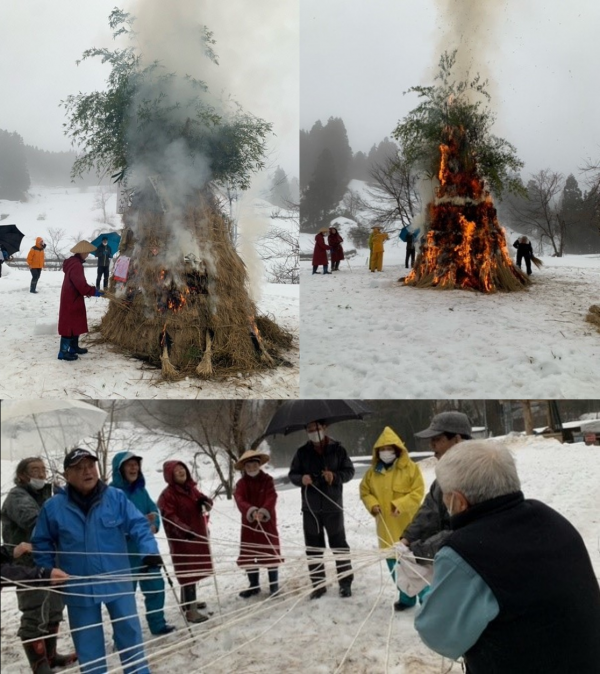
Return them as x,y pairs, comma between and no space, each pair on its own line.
117,478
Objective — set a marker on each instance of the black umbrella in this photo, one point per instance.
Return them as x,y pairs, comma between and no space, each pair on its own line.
295,415
10,238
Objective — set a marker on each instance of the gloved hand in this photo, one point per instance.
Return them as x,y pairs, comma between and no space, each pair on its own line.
152,562
401,549
98,293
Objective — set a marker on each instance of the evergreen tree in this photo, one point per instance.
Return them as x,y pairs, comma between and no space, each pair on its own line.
359,168
14,175
280,194
316,206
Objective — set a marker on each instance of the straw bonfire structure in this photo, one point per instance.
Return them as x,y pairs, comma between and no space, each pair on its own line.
189,312
464,246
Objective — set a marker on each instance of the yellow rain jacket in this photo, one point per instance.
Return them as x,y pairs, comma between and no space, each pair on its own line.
376,243
400,485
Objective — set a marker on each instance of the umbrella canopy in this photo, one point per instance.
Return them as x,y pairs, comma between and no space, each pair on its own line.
295,415
10,238
114,241
406,230
50,427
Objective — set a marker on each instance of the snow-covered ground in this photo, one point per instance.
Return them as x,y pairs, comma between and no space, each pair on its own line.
29,326
365,335
360,635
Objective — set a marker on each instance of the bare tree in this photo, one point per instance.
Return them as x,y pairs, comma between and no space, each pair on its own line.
280,246
352,204
220,431
540,211
393,195
101,202
55,242
591,172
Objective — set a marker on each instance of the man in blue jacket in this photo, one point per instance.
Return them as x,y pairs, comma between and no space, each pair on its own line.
127,475
513,590
86,528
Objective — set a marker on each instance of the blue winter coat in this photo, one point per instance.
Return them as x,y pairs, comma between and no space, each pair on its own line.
136,492
98,541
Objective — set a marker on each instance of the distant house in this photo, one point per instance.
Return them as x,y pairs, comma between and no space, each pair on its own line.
583,430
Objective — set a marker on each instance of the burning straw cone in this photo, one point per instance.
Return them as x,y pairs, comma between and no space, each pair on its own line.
168,371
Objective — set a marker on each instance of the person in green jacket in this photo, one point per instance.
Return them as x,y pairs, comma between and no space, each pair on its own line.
128,476
392,491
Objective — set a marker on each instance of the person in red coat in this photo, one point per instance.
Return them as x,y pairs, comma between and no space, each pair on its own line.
255,497
334,241
182,507
320,252
72,317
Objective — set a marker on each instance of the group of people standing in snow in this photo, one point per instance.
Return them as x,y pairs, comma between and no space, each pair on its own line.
513,615
72,315
333,244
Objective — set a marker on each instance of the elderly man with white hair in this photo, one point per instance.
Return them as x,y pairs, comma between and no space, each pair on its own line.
513,590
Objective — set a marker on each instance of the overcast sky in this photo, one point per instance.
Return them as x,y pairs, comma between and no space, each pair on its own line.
40,41
542,58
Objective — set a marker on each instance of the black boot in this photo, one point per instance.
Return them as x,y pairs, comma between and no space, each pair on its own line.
65,350
36,654
274,582
32,287
325,269
54,658
254,587
315,270
75,348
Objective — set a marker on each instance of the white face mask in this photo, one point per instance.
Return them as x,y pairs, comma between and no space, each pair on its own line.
37,483
315,436
387,455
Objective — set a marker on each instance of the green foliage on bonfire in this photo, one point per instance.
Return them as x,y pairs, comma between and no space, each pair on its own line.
460,105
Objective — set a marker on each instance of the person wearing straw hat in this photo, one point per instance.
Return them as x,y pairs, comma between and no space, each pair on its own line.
392,490
72,316
183,506
255,497
320,252
87,526
41,610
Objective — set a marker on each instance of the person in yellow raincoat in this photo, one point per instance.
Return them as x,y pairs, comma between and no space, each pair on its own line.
376,239
392,491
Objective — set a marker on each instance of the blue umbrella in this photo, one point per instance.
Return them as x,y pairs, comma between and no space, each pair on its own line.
405,230
114,240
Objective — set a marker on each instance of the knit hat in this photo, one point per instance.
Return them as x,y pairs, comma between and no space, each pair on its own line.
456,423
83,247
251,454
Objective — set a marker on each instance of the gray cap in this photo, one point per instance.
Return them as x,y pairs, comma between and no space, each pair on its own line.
447,422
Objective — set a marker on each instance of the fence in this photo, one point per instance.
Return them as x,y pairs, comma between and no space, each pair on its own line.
54,263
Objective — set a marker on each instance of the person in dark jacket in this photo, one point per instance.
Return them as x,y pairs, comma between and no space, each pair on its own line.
4,257
127,475
513,590
334,241
524,252
36,260
410,250
431,525
104,254
320,252
17,574
87,526
183,508
41,610
72,316
255,496
320,468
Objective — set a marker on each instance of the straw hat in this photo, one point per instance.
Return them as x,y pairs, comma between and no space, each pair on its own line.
323,230
83,247
251,454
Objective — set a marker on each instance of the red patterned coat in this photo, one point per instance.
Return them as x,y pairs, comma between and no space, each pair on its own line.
259,545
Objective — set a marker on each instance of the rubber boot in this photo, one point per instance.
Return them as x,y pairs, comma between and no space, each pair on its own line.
274,582
65,350
32,287
315,270
75,348
325,269
54,658
36,654
254,587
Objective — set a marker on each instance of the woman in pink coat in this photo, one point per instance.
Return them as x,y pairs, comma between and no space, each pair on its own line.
255,496
182,508
72,316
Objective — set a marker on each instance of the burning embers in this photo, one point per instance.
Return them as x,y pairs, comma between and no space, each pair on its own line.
173,297
464,246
